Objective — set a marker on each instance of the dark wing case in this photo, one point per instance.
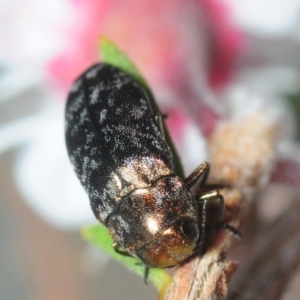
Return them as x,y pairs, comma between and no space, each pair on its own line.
109,123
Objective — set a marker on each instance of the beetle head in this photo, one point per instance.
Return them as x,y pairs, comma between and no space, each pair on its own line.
174,223
159,224
173,246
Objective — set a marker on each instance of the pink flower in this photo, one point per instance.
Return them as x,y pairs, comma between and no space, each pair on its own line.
188,52
167,40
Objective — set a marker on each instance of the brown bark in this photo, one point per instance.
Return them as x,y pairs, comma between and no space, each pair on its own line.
242,156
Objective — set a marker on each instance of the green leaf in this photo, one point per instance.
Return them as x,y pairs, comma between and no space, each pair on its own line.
99,236
111,54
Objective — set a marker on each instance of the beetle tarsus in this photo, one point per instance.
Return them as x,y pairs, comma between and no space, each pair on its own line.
211,196
121,252
146,275
232,229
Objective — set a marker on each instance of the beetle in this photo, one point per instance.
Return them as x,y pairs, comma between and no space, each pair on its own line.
116,144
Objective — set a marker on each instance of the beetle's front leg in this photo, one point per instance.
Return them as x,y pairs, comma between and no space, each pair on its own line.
117,249
147,269
204,199
202,170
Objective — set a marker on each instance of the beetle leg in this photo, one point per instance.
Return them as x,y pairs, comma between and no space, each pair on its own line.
231,229
208,187
146,274
203,217
205,199
147,269
202,170
159,121
117,249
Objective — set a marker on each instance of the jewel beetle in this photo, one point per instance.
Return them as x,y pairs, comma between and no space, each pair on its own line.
116,145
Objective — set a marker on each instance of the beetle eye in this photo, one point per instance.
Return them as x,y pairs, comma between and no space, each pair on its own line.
190,230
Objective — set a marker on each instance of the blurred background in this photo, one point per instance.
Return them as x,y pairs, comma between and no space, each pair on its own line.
206,60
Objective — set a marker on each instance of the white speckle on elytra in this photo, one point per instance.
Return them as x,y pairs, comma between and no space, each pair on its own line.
103,114
76,86
139,112
76,104
143,102
94,150
95,95
89,138
92,73
83,117
118,83
84,169
111,101
123,224
94,165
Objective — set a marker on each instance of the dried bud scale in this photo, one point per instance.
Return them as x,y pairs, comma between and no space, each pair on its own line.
242,154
